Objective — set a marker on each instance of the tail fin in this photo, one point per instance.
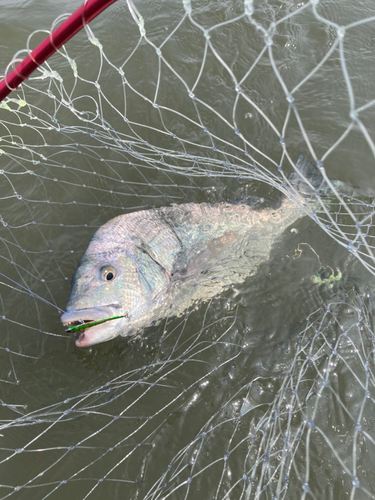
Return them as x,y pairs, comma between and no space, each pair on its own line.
306,170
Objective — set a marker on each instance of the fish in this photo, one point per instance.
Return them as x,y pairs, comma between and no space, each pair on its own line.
145,266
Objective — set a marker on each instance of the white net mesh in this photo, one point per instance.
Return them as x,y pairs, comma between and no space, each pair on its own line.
267,390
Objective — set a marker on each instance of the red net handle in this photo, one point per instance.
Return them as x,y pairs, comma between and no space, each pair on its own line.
88,11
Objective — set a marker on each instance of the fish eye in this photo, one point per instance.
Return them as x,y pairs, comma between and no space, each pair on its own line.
107,273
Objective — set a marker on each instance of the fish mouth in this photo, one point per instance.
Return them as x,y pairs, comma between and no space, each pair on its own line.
89,325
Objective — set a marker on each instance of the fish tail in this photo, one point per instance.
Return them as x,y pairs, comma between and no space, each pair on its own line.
307,179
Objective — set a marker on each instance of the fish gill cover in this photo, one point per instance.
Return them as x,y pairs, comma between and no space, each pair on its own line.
267,389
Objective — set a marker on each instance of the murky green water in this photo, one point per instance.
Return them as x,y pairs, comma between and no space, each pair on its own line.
193,372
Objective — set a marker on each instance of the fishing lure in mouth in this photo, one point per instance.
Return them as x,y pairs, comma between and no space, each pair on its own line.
84,326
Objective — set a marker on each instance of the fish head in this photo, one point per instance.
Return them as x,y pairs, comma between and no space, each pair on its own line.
113,293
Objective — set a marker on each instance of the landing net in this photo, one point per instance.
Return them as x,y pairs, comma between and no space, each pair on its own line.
266,391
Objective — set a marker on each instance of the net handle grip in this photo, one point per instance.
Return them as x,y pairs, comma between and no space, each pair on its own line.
75,22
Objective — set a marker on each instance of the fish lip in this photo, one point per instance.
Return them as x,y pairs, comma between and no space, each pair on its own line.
79,337
87,314
91,336
74,316
85,338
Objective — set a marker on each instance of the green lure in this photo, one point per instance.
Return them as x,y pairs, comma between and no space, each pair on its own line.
84,326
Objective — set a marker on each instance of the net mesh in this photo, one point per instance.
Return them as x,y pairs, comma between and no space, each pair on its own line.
267,390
